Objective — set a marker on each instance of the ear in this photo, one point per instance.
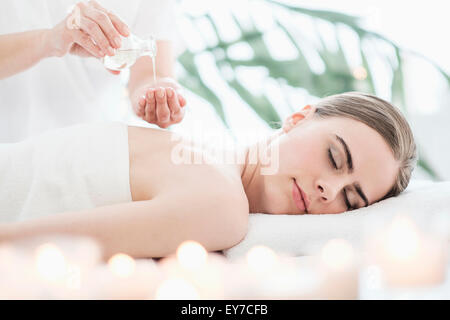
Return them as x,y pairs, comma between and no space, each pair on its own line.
306,113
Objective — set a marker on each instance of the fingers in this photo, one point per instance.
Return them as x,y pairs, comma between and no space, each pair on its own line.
93,30
84,41
162,108
150,109
174,106
172,101
140,110
120,26
104,25
181,100
78,50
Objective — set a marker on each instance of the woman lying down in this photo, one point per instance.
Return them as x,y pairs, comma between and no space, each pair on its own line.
121,186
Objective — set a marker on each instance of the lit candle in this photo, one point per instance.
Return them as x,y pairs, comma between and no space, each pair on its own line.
122,265
61,264
292,281
191,255
338,264
245,275
50,263
203,270
407,257
262,260
266,275
124,278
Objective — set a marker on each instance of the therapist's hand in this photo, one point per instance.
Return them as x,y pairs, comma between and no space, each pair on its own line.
161,104
90,30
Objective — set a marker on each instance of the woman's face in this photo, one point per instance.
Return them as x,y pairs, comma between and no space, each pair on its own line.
339,163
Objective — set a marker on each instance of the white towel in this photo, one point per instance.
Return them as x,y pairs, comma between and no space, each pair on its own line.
306,234
75,168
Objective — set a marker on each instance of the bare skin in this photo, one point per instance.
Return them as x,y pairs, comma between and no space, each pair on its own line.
210,203
152,171
311,153
171,204
95,24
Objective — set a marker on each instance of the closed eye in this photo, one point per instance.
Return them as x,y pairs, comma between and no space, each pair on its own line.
333,163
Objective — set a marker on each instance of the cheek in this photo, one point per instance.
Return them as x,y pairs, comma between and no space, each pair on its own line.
302,156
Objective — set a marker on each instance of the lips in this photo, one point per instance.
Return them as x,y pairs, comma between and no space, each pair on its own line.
300,198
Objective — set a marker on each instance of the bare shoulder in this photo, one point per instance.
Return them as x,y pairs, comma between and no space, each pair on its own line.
227,197
225,189
217,199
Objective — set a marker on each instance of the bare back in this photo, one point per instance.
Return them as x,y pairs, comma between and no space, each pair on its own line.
153,168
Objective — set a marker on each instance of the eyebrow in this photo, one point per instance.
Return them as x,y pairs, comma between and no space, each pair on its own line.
351,169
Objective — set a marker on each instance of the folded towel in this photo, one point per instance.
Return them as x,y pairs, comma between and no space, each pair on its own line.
75,168
305,234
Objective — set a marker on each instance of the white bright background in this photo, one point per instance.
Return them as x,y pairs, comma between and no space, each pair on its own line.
421,26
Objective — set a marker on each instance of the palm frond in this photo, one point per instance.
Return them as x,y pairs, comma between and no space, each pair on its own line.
337,75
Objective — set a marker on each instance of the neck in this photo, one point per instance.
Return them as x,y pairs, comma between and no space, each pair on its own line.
251,180
251,177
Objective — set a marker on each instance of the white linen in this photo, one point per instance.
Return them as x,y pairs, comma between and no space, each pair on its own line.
76,168
305,234
60,92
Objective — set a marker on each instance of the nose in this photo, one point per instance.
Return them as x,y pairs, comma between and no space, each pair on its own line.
328,191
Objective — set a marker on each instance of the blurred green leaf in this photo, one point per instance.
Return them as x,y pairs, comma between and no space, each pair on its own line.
260,104
365,65
425,165
397,87
337,76
195,83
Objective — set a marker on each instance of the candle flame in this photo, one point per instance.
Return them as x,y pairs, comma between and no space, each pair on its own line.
261,258
338,254
50,262
122,265
402,238
191,255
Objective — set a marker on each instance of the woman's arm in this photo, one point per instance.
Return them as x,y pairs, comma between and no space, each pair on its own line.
97,32
145,229
21,51
147,104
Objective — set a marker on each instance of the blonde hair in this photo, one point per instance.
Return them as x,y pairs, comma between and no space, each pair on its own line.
383,117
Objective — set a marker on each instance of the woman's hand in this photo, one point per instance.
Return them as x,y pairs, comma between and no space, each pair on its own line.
90,30
161,103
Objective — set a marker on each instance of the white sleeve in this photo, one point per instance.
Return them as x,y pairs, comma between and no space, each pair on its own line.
159,19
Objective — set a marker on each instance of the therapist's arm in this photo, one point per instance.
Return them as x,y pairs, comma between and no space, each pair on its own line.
143,229
90,31
160,103
21,51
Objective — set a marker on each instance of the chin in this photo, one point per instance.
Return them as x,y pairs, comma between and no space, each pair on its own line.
280,205
277,201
